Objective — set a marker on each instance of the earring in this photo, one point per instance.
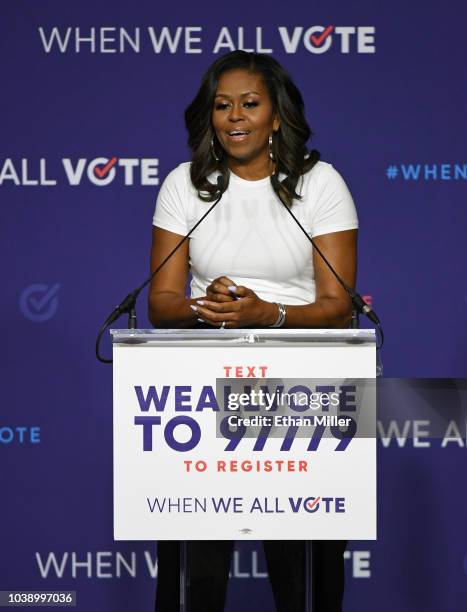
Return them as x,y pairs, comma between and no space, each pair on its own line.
270,152
213,151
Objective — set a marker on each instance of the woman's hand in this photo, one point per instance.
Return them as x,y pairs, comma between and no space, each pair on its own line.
218,290
245,309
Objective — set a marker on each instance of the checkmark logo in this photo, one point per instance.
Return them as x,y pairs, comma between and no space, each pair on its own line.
102,171
318,40
310,505
39,302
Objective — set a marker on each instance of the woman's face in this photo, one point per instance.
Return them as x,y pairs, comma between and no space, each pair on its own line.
243,117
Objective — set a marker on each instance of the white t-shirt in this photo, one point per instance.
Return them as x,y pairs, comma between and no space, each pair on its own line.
250,237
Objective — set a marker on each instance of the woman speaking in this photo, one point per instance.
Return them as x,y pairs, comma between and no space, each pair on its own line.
251,266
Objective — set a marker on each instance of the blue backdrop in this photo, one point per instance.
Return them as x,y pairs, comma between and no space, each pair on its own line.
92,106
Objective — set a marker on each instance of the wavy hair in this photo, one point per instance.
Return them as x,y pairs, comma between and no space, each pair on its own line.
289,149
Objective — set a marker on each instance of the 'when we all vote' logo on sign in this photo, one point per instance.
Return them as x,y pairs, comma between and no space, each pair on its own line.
194,39
97,171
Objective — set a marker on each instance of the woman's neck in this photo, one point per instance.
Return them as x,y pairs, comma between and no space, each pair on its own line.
252,170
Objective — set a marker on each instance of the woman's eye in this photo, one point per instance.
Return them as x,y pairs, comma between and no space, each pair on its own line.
225,105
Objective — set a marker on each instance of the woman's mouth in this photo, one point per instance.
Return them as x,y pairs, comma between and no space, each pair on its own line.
238,135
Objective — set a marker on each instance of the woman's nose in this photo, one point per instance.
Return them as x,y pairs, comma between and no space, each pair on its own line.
236,112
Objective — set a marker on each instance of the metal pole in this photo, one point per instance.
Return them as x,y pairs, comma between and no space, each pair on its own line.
308,576
184,577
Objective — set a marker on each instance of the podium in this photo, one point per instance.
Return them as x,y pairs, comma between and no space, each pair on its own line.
244,434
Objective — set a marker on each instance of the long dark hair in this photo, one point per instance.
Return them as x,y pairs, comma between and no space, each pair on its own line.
289,143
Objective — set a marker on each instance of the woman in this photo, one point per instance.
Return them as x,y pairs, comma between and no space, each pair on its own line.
252,267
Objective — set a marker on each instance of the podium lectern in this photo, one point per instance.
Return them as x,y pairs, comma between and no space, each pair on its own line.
244,434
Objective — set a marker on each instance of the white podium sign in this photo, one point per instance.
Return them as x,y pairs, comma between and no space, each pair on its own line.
182,473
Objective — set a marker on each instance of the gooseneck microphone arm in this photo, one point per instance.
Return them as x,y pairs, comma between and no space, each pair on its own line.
128,305
358,302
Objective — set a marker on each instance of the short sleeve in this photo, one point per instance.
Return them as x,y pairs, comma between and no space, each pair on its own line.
172,202
334,209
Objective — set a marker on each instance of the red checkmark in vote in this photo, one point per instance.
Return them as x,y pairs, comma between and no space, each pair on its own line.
312,504
101,172
317,40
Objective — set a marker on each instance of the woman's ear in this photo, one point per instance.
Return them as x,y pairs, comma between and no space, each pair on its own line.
276,123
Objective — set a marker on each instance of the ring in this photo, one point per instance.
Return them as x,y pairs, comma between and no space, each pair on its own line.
222,325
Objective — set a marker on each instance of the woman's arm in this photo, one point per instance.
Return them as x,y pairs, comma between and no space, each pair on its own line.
168,305
332,306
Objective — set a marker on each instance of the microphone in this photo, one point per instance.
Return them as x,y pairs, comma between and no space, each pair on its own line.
358,302
128,304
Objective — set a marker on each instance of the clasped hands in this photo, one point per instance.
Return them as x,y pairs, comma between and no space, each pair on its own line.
233,306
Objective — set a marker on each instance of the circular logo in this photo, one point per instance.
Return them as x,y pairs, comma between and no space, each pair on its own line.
39,302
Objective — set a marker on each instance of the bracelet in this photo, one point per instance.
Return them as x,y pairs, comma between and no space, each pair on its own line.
281,318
